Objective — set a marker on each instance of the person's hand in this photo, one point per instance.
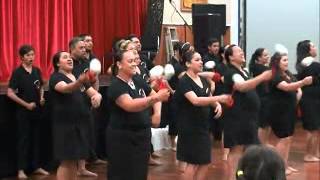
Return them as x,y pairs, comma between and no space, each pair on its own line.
42,101
96,100
155,120
31,106
218,110
224,98
83,78
163,95
307,80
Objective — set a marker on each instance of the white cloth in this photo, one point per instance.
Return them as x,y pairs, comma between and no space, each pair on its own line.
160,138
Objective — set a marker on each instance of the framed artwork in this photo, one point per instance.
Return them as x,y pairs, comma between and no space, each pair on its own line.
186,5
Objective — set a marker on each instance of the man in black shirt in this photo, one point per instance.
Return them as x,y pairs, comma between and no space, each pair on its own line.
213,52
80,65
25,88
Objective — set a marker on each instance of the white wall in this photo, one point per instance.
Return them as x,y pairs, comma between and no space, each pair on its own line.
285,21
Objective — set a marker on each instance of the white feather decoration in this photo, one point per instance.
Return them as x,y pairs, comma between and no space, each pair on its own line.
210,65
156,72
168,71
280,49
95,66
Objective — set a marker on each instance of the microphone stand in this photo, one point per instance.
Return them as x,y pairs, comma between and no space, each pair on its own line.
185,22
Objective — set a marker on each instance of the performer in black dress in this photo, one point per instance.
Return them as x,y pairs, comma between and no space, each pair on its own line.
129,133
193,95
179,71
26,89
259,63
285,94
310,102
69,115
240,120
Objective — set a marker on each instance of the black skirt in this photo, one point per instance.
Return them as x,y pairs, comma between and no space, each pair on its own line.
310,113
128,154
194,148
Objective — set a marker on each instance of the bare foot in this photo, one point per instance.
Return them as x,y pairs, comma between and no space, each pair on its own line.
310,158
41,172
156,155
22,175
85,172
99,161
293,169
154,162
288,172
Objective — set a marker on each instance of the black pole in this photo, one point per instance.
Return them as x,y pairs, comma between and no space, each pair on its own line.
185,22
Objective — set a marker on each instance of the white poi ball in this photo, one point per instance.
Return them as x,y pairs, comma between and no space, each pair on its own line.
237,78
168,71
307,61
95,66
280,49
156,71
210,65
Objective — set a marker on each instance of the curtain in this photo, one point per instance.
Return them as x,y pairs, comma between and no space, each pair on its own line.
45,24
48,25
108,20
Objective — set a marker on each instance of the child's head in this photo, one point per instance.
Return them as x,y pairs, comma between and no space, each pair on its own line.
260,163
26,53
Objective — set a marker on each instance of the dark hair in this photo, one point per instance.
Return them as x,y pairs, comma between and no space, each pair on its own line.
25,49
55,60
229,52
184,48
187,56
83,36
257,53
274,65
118,56
177,45
303,50
132,36
212,40
74,41
260,163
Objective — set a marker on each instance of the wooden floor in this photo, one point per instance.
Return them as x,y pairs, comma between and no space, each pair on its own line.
218,169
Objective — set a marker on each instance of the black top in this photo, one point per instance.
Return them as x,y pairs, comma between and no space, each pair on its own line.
192,118
276,94
145,61
27,84
211,57
178,69
144,73
312,70
263,88
68,108
121,119
243,101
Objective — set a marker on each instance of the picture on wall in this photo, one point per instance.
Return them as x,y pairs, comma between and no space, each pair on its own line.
186,5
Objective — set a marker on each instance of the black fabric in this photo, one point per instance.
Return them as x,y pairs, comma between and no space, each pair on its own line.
70,121
119,118
310,101
27,86
128,153
178,69
194,145
240,120
263,93
282,108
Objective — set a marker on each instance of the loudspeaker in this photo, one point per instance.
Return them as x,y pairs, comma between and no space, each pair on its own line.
208,21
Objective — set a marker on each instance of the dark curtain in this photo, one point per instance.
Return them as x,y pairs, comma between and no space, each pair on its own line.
48,25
